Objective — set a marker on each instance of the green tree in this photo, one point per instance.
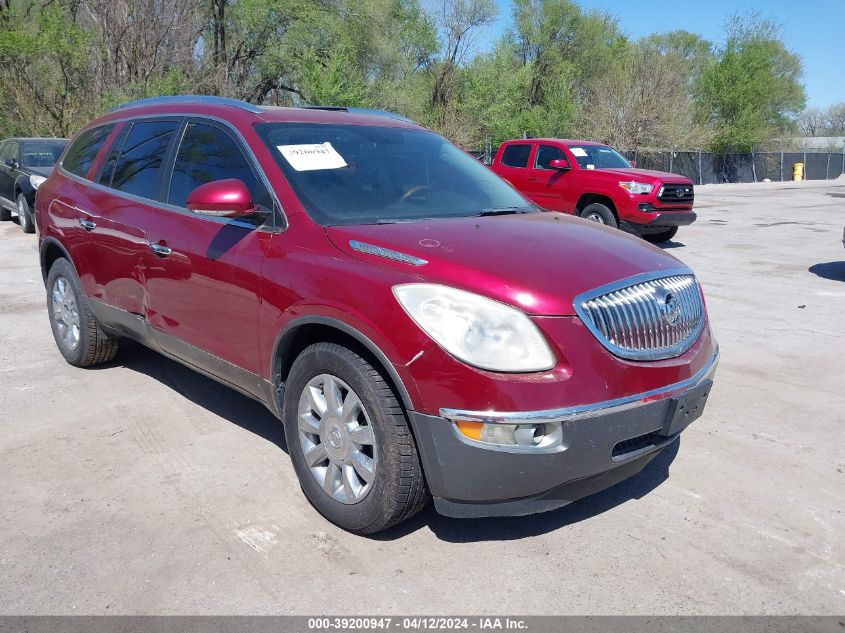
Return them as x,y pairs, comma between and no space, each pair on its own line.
43,70
646,98
753,91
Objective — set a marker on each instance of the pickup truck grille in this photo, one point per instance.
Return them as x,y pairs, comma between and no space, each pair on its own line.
646,320
676,193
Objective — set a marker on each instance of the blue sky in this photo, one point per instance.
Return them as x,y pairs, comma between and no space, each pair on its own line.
815,29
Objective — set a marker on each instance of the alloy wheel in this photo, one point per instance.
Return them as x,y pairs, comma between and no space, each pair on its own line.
595,217
337,439
65,313
21,214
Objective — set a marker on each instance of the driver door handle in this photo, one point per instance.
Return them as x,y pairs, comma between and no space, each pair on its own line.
88,225
161,249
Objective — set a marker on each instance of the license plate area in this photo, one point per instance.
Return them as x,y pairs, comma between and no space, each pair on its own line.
686,409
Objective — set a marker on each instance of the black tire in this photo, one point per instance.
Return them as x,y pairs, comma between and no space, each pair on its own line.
25,218
94,346
398,490
599,213
663,236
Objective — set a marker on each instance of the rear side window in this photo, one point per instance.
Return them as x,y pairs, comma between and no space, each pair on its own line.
516,155
206,154
110,161
82,151
139,167
9,151
546,154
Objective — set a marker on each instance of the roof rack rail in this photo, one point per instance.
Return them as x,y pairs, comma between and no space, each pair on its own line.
325,107
383,113
200,99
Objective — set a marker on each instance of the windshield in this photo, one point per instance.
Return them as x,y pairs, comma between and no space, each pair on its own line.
41,153
598,157
357,174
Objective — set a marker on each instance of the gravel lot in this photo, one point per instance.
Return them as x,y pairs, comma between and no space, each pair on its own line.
141,487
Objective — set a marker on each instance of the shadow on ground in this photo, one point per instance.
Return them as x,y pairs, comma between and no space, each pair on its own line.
255,418
209,394
835,271
671,244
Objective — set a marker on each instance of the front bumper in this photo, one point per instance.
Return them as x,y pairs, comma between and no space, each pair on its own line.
658,221
601,444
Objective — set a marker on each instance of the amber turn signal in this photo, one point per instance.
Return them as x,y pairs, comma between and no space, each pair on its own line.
471,429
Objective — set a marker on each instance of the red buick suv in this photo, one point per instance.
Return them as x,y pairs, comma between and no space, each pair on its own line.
419,327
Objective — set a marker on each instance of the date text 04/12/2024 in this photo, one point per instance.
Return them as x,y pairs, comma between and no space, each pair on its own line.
416,623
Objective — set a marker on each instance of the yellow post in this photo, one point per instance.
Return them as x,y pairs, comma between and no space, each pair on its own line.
798,171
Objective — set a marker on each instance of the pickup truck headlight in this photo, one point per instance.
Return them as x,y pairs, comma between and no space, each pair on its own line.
36,181
479,331
636,187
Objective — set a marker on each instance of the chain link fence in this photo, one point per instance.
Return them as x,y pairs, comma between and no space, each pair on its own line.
708,168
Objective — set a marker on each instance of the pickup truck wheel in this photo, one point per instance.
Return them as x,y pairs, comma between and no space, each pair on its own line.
25,215
78,335
597,212
349,440
663,236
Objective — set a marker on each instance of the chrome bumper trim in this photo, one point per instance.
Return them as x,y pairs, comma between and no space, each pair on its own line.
585,411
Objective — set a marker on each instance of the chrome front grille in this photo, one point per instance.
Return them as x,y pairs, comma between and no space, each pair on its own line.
647,317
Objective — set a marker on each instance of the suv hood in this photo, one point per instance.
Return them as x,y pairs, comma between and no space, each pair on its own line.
650,175
538,262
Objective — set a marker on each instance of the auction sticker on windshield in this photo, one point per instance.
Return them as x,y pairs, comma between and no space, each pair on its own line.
312,156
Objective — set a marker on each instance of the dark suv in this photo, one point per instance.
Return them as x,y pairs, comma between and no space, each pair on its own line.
24,164
418,326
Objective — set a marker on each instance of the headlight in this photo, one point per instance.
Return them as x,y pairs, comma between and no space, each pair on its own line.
636,187
36,181
479,331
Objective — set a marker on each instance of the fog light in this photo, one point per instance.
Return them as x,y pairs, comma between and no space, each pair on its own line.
503,434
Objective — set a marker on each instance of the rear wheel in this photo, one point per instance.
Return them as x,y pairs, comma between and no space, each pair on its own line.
597,212
663,236
25,215
349,440
78,335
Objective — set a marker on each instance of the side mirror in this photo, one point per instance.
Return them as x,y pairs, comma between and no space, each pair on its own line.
227,198
633,163
559,163
11,162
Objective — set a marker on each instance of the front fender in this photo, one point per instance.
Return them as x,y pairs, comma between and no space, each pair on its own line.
360,331
22,185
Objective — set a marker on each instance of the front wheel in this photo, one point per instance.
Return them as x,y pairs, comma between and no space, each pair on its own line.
663,236
597,212
25,215
349,440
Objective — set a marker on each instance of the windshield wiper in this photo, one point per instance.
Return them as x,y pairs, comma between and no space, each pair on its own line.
483,212
501,211
400,220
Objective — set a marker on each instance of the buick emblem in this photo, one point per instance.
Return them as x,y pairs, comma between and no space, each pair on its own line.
671,309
